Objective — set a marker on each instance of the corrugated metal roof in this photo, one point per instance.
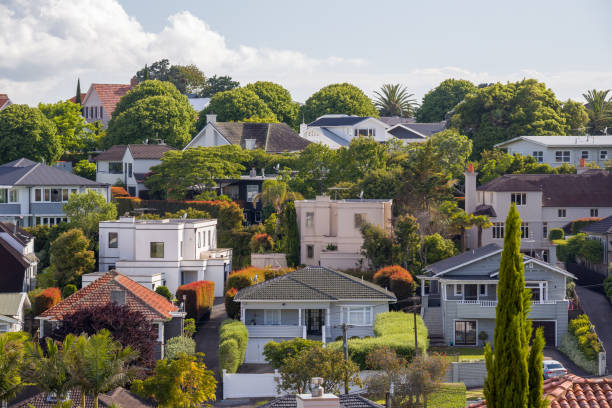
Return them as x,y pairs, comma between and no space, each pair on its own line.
10,302
565,141
24,172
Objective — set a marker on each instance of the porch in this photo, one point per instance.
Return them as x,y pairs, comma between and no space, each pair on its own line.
307,323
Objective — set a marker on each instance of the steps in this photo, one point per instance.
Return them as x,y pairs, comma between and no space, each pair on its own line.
433,321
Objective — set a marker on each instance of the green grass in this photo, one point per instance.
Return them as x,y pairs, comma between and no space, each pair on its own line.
450,395
465,353
474,395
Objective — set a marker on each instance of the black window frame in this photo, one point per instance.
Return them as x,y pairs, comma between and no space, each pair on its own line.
113,239
153,251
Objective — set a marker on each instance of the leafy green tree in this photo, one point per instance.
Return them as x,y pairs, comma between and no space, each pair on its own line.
154,110
363,155
507,382
576,117
436,248
407,243
85,168
599,108
278,99
338,98
442,99
277,352
27,132
198,166
377,246
73,131
535,369
237,105
11,363
184,382
86,210
188,79
159,70
291,235
164,291
394,100
453,150
314,167
381,183
216,84
495,163
70,257
276,193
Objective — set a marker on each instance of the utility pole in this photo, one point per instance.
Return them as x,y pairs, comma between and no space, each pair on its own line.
345,328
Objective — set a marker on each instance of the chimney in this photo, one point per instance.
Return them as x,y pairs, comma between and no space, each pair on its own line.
211,118
118,297
253,172
471,195
303,128
318,398
582,166
133,82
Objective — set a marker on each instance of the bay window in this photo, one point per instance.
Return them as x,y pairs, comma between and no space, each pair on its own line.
53,195
357,315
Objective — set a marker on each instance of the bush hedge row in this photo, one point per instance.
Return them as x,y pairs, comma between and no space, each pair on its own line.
579,246
46,299
179,344
199,298
588,342
233,339
396,279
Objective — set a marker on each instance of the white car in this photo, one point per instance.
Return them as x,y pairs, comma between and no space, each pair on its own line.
553,368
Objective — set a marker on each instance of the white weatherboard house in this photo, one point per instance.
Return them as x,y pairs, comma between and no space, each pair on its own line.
33,193
312,302
129,165
557,150
544,201
335,131
459,297
12,311
169,252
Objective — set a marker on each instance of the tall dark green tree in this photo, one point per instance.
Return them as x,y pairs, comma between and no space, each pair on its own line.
507,382
442,99
292,235
77,99
536,370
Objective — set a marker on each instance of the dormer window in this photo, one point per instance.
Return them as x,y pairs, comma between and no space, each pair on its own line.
249,144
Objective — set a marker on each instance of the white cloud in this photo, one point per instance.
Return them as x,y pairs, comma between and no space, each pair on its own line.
46,44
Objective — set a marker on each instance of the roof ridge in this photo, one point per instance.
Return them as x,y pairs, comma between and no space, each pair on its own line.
26,173
98,283
312,288
359,281
267,137
136,295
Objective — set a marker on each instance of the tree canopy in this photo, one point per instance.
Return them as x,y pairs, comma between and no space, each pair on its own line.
599,108
338,98
74,133
442,99
71,257
278,99
215,84
394,100
188,79
86,210
237,105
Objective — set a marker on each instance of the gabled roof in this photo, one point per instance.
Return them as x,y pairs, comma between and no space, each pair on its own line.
338,120
314,283
73,99
394,120
25,172
463,259
334,137
416,130
346,401
402,132
98,293
563,141
119,396
592,188
10,303
600,227
529,260
19,234
138,151
109,94
13,266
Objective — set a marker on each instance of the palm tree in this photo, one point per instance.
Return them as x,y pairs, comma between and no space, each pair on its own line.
394,100
599,109
275,193
482,222
11,362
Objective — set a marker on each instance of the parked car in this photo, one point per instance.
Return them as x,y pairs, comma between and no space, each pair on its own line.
553,368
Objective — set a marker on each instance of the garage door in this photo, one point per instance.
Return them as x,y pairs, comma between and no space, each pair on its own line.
550,328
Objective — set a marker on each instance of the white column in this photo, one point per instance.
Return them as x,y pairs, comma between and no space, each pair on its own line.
242,312
42,329
323,334
422,287
304,332
327,318
541,292
160,332
299,317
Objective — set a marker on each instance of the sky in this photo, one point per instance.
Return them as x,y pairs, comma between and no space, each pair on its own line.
45,45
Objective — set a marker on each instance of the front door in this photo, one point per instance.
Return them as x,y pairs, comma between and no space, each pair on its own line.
314,321
465,332
471,292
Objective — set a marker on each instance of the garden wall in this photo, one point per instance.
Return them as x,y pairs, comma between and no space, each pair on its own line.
271,260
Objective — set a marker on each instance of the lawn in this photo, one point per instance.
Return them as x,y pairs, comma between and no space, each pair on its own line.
450,395
465,353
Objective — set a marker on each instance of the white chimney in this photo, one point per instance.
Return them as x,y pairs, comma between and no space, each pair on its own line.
211,118
303,128
471,194
318,398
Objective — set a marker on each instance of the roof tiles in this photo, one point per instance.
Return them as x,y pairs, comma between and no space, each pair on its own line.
138,151
110,94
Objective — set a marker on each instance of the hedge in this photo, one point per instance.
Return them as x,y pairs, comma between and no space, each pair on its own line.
164,291
68,290
179,344
232,308
118,192
383,276
579,246
46,299
233,339
555,234
277,352
588,342
199,300
261,243
608,287
578,224
402,284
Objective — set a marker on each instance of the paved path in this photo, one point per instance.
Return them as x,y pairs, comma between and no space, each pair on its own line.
551,353
599,310
207,341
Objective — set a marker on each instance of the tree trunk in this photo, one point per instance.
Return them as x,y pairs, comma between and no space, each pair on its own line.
96,401
82,399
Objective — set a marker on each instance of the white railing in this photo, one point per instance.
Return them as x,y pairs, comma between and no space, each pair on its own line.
488,303
275,330
493,303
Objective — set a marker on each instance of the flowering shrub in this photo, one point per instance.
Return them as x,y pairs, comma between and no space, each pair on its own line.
199,298
261,243
46,300
118,192
587,339
383,276
402,284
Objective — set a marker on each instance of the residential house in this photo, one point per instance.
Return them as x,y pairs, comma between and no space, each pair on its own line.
394,120
545,201
4,101
198,104
100,289
321,401
119,397
271,137
33,193
415,132
169,252
12,311
129,165
101,99
312,302
459,297
335,131
602,231
17,259
330,230
558,150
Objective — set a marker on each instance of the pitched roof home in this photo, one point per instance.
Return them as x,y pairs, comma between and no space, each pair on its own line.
271,137
341,401
12,311
119,397
101,99
416,131
337,130
394,120
4,101
19,264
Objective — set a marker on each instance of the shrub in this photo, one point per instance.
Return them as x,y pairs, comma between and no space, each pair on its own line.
232,308
199,298
582,330
578,224
68,290
402,284
276,353
592,251
179,344
569,346
555,234
46,299
238,240
608,287
189,327
233,339
383,276
164,291
245,277
118,192
261,243
270,273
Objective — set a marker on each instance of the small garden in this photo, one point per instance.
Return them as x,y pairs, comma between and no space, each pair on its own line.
581,344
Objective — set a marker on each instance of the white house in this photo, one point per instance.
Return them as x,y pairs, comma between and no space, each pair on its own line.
311,303
18,263
330,234
129,165
169,252
557,150
12,311
33,193
335,131
544,201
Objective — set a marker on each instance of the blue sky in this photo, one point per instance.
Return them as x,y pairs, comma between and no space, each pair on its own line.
305,45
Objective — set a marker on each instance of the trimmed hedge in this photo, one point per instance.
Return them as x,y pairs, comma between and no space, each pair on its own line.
179,344
579,246
232,308
46,299
277,352
233,339
200,298
588,342
164,291
382,277
402,284
555,234
68,290
580,223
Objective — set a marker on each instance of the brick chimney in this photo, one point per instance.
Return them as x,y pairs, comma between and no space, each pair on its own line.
318,398
133,82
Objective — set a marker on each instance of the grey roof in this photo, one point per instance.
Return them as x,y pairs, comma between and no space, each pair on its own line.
10,302
315,283
25,172
334,137
405,130
463,258
395,120
338,120
600,227
404,133
564,141
272,137
346,401
138,151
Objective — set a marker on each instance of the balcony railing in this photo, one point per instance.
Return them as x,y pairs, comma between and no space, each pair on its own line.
493,303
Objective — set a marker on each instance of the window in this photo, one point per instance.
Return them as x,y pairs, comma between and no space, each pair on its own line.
524,230
64,194
465,332
157,249
53,195
562,156
594,212
518,198
129,169
209,242
538,156
101,111
95,111
47,194
199,239
536,294
561,212
56,195
584,154
13,196
360,220
8,196
249,144
358,316
458,290
272,317
37,195
115,168
365,132
498,230
310,251
482,290
252,190
545,230
113,240
603,155
4,328
309,219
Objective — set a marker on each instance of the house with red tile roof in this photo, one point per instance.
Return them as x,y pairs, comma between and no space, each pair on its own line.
100,101
114,287
4,101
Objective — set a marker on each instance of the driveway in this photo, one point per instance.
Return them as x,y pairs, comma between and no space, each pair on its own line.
207,341
551,353
599,310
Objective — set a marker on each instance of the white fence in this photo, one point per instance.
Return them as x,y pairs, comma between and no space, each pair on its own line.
249,385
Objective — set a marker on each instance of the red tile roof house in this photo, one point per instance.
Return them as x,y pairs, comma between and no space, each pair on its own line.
100,101
4,101
114,287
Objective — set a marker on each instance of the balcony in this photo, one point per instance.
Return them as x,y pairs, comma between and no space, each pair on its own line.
485,309
10,209
276,331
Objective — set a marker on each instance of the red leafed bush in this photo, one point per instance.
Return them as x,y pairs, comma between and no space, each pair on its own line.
402,284
261,243
383,276
119,192
199,299
245,277
47,299
232,308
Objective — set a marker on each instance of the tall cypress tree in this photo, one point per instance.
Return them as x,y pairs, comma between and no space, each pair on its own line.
507,382
536,370
78,92
292,235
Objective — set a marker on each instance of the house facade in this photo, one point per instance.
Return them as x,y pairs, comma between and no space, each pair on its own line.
12,311
169,252
129,165
18,263
559,150
544,201
101,99
33,193
459,297
335,131
330,230
243,190
312,302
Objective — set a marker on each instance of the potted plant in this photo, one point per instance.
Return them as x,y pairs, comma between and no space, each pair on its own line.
332,247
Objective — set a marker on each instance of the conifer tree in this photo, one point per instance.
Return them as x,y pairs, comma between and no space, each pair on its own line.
78,92
535,369
507,382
